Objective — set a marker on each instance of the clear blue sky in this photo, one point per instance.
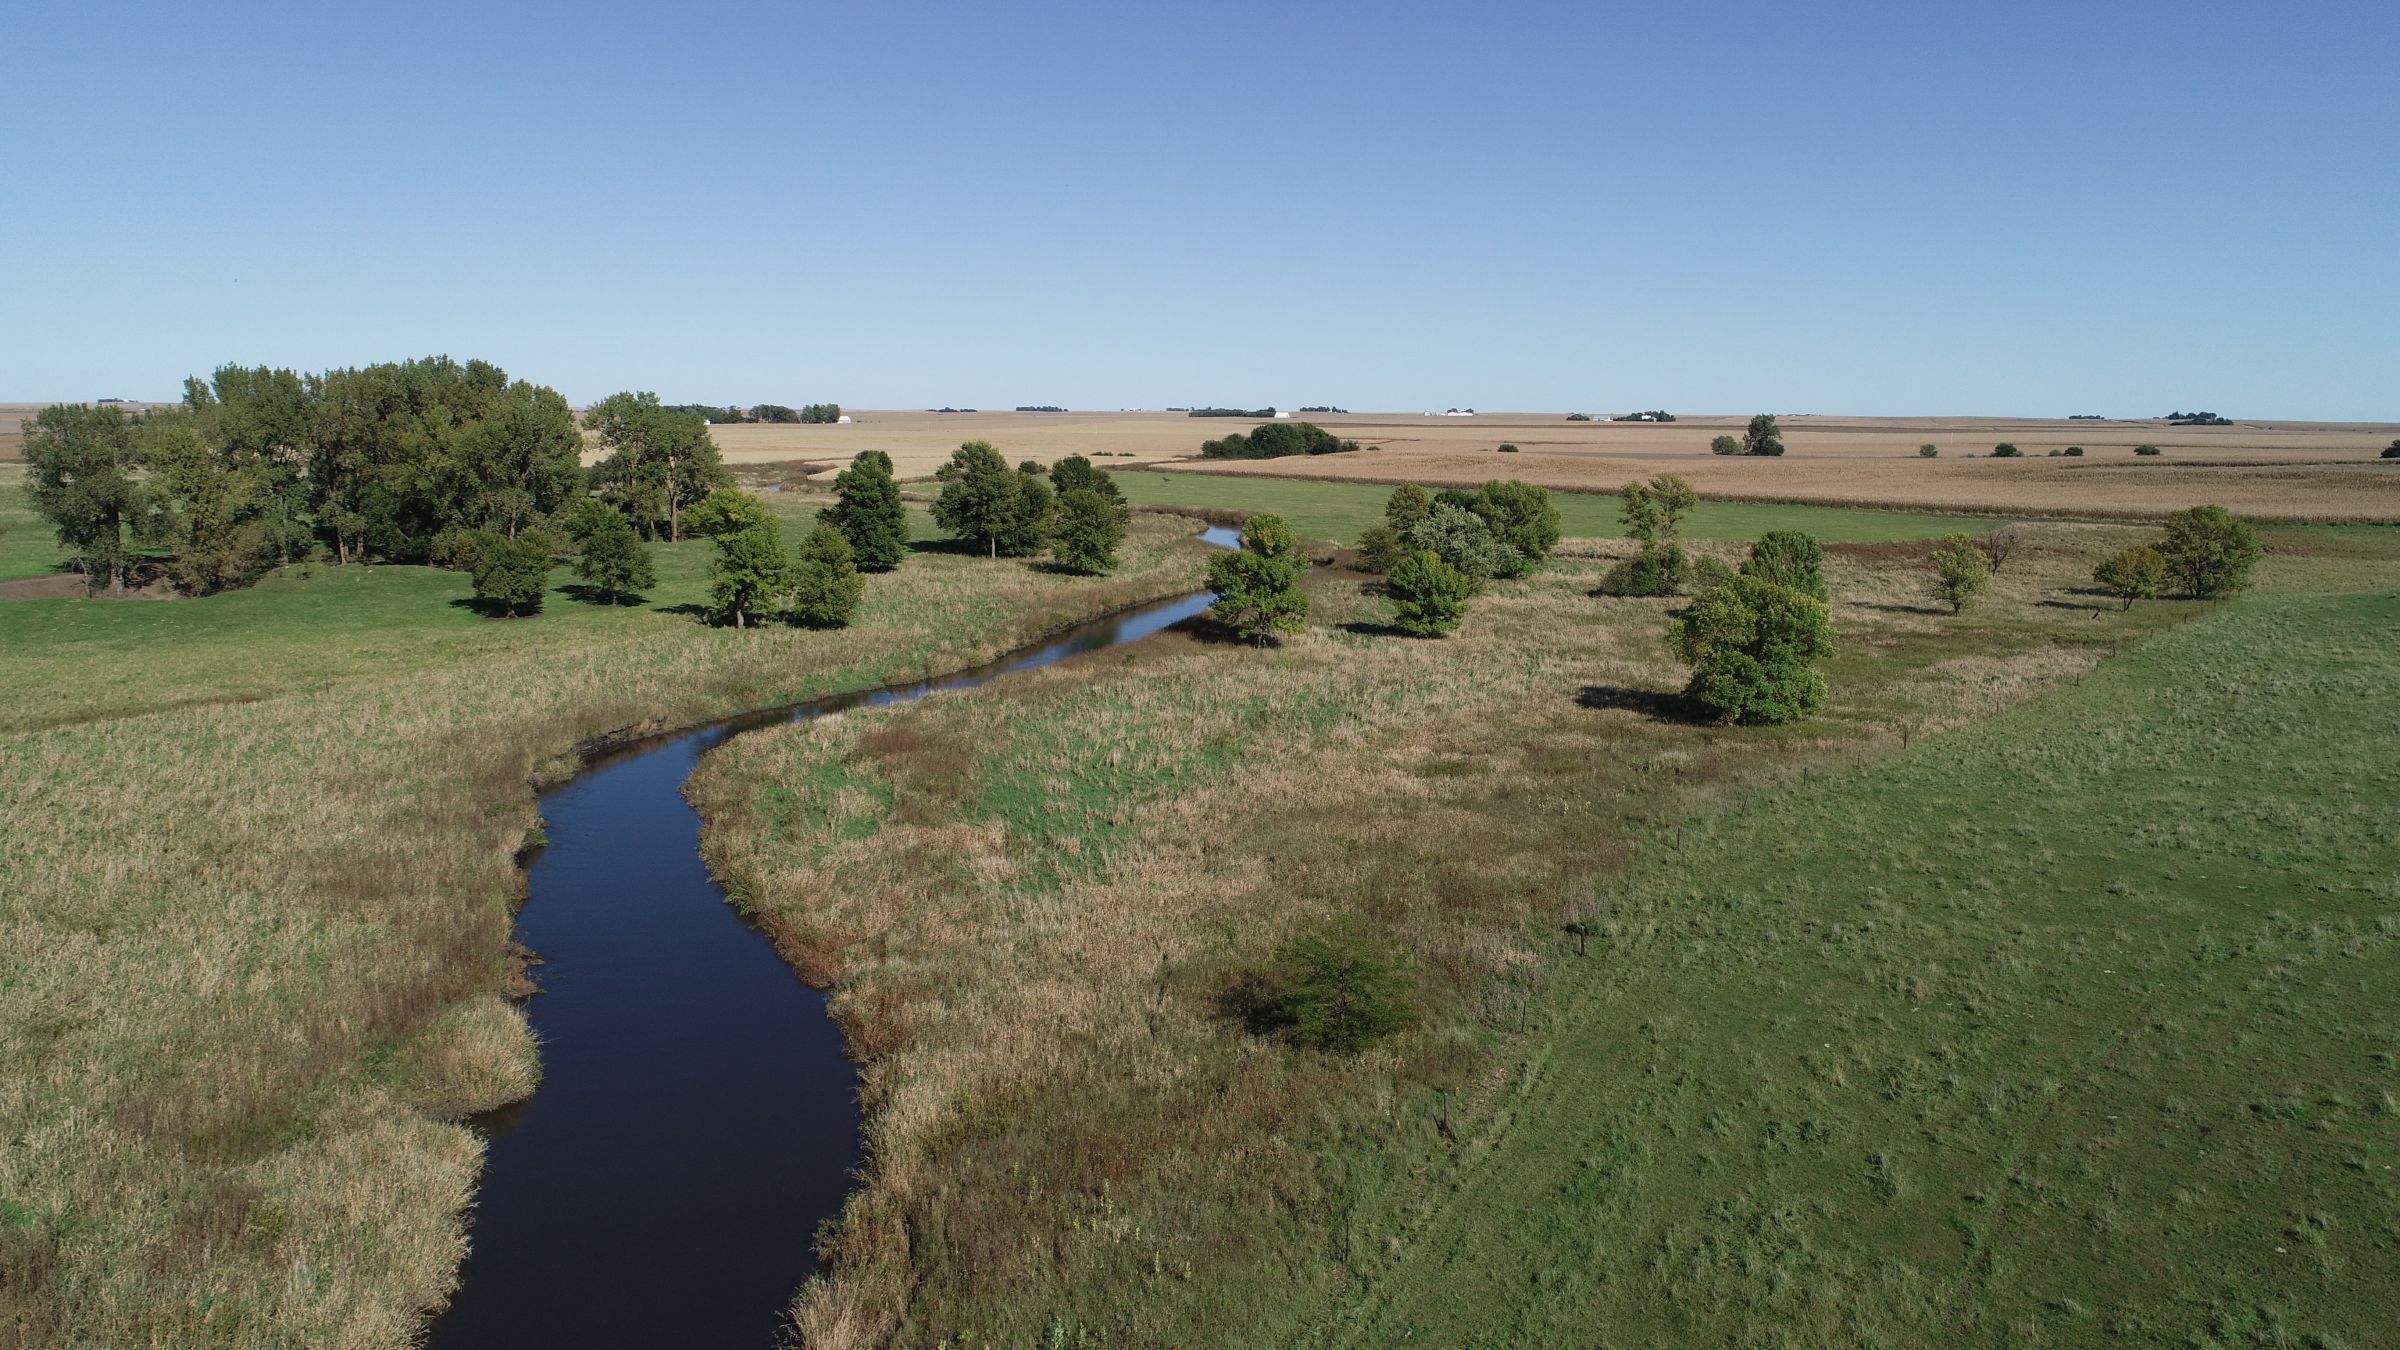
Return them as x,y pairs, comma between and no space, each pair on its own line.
2031,208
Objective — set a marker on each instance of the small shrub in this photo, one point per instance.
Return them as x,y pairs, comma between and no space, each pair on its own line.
2073,452
1708,573
1788,558
2392,451
1928,450
1961,573
2134,574
2006,450
1659,569
1507,449
1332,990
1428,596
1380,549
2145,449
1725,445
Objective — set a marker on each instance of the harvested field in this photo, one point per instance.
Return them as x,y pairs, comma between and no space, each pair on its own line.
2358,490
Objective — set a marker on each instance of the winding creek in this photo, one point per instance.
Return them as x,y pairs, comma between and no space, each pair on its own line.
697,1117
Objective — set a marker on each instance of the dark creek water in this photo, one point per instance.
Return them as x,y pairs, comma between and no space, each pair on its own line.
697,1117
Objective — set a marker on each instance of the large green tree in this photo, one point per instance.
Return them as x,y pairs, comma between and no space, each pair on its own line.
520,461
512,572
982,498
752,571
1788,558
1089,527
1522,516
1753,648
1763,436
825,584
85,480
2208,553
868,511
612,557
1258,584
660,460
1076,473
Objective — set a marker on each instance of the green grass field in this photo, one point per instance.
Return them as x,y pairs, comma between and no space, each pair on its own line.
1338,511
28,548
2074,1025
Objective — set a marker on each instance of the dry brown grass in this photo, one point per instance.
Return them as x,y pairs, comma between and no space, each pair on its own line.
254,923
1028,942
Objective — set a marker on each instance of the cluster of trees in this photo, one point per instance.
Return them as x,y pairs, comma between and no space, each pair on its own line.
2071,452
1436,550
1260,413
1323,408
2006,450
1275,440
2392,451
1039,407
2145,450
1654,415
1764,436
1502,529
399,462
764,412
1753,642
2198,419
1075,510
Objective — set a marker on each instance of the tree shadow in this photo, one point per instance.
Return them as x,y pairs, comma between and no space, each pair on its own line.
1654,704
1053,568
1934,610
965,548
488,609
1215,632
595,595
1365,629
688,608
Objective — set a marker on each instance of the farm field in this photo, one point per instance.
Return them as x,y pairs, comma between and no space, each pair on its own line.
1038,906
1338,511
257,881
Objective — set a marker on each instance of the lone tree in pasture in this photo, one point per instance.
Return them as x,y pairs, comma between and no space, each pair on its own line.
512,572
661,461
1961,573
2007,450
1928,450
2145,450
1763,436
868,511
982,498
751,571
84,481
1753,648
2133,574
1258,584
2392,451
1788,558
1428,596
825,586
1333,990
1725,444
613,557
1089,528
2209,553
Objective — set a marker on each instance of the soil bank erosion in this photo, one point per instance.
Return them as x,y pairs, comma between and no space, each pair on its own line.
697,1118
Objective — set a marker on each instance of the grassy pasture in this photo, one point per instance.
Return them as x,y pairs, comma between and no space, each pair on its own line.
1032,899
255,888
2046,1032
1339,511
28,546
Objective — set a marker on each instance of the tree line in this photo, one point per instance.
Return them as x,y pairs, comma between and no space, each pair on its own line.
1275,440
763,412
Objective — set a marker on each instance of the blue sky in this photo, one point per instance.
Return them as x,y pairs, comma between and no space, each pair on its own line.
1907,208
